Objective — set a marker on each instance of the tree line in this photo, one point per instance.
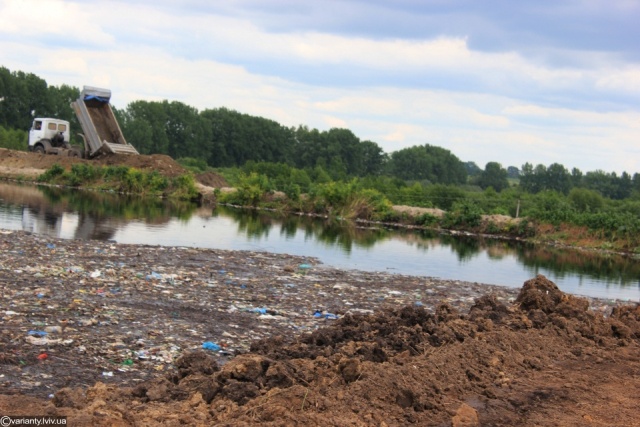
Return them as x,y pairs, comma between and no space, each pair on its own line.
220,137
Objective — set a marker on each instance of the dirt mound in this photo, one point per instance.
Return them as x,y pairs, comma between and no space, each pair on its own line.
211,179
19,163
161,163
547,357
24,160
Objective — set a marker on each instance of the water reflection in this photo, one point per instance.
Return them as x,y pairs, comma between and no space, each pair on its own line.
95,215
610,269
344,235
82,214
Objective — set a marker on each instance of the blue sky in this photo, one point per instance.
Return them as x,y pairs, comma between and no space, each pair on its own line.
507,81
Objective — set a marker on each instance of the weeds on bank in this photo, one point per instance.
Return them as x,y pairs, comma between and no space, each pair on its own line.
122,179
333,199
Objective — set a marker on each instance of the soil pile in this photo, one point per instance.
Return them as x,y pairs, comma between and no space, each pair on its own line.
211,179
161,163
547,359
25,160
20,163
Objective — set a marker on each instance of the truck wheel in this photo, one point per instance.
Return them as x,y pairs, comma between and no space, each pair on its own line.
38,149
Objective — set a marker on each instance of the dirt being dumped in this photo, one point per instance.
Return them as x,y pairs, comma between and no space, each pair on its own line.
547,359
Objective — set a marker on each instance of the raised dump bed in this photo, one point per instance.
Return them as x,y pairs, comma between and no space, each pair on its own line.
102,132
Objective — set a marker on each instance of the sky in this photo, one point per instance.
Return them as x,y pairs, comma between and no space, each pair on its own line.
537,81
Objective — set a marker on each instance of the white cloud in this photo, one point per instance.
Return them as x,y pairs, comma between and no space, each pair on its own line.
625,80
526,110
38,19
334,122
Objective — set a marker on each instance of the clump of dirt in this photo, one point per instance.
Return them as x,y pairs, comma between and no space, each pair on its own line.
546,357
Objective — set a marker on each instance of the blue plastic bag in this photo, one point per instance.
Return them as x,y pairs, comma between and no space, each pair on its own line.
208,345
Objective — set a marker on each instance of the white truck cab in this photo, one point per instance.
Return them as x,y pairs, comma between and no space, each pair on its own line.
47,135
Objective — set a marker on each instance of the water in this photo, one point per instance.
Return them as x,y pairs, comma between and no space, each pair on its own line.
93,215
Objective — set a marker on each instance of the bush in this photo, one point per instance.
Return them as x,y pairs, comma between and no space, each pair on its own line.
552,207
114,173
584,200
293,192
463,214
133,181
427,220
250,189
51,174
13,139
183,186
159,183
83,172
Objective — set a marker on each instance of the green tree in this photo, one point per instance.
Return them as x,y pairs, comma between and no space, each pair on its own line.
427,163
527,178
473,170
623,186
373,158
576,177
143,125
188,134
558,178
237,138
555,178
24,96
495,176
599,181
60,99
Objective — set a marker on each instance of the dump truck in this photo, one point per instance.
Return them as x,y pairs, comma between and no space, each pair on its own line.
101,131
